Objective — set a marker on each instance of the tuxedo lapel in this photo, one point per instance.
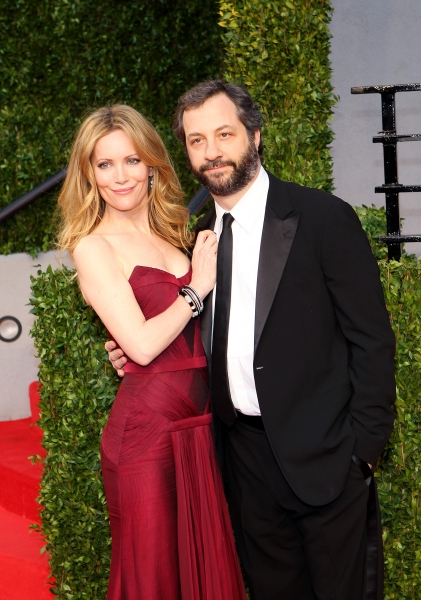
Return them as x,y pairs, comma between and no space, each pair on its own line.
207,222
279,228
278,234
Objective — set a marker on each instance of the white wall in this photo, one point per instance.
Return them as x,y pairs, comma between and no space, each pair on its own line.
376,42
18,364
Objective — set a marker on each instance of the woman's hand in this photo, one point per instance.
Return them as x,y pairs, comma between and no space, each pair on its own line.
116,357
204,263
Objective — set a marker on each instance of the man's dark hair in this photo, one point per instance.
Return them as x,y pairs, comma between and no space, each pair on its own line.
247,110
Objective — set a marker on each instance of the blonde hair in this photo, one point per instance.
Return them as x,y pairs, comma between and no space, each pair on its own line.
81,204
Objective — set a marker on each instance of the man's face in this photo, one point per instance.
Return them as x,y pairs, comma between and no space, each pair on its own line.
222,156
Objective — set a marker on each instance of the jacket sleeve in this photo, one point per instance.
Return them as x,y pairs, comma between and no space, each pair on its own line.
352,278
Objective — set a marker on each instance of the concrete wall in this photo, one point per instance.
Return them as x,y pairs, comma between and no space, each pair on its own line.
18,364
376,43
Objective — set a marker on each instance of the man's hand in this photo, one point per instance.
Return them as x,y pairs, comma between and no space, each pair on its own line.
116,357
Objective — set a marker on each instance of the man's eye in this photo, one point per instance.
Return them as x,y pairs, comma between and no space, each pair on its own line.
225,134
197,141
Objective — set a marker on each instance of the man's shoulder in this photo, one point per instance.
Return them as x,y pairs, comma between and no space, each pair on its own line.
305,199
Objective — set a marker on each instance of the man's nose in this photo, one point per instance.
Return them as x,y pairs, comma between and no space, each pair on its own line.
213,150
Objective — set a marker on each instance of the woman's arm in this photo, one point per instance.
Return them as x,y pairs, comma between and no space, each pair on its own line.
107,290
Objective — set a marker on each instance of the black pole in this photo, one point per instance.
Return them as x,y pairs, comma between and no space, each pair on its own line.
38,191
389,138
198,201
195,205
390,158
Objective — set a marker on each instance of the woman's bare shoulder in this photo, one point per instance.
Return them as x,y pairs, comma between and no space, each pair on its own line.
95,258
90,242
92,246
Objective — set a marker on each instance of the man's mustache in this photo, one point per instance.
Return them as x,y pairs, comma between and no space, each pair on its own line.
213,164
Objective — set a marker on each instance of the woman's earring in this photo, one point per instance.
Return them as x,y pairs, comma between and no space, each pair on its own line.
151,182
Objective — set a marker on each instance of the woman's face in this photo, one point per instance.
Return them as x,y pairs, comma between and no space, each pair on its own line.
121,177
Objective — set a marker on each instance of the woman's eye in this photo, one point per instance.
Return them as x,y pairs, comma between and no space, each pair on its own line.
103,165
133,161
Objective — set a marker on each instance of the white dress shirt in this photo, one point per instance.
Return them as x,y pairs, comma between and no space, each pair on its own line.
248,213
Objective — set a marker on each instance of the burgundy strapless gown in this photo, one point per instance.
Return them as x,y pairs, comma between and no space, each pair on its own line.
170,529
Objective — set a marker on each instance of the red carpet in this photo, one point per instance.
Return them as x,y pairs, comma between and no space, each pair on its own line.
23,570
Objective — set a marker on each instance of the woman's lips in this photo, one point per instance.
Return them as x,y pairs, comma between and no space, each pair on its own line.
123,191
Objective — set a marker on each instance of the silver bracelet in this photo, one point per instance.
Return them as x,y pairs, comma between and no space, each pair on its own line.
193,299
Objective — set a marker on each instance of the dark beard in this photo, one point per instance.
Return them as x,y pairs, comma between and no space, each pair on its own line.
243,172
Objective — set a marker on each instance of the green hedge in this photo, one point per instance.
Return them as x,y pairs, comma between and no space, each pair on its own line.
78,387
279,51
399,472
373,221
59,58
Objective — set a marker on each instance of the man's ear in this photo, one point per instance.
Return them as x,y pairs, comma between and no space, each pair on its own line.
257,139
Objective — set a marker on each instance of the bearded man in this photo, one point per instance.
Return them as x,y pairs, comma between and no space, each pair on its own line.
301,353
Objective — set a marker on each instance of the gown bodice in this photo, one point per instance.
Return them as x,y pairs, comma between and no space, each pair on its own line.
155,290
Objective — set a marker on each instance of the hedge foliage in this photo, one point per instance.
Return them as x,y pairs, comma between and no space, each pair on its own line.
399,472
58,58
279,51
78,387
373,221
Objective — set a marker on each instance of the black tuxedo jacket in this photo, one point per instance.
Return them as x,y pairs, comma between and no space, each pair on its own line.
324,348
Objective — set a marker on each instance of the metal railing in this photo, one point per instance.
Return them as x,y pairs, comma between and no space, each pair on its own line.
38,191
389,138
197,202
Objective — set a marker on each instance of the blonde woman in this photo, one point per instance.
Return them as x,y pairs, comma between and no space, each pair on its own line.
126,228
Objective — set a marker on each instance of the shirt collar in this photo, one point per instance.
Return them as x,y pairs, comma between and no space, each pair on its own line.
250,206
